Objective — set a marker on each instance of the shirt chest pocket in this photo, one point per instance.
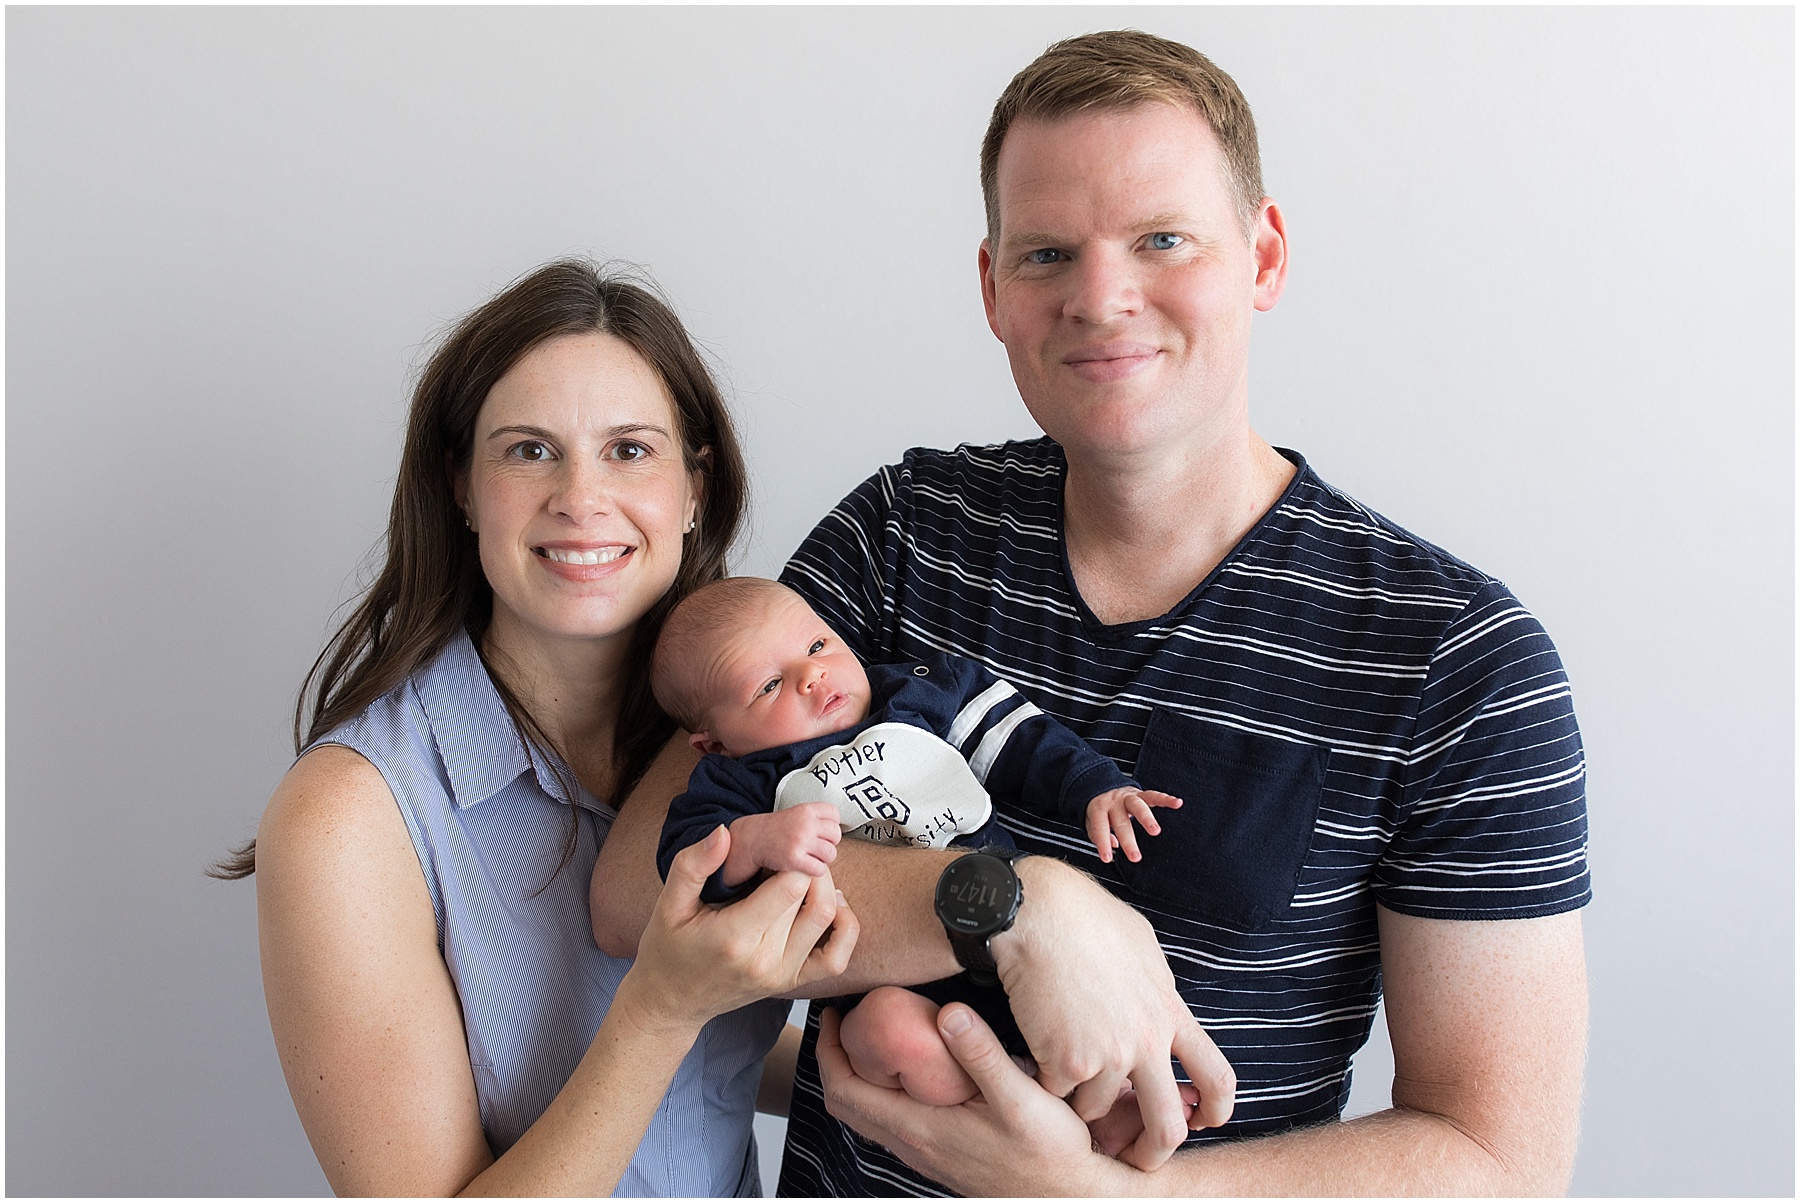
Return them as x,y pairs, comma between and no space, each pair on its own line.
1232,854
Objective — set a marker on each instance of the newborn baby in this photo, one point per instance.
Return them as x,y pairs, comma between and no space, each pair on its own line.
803,745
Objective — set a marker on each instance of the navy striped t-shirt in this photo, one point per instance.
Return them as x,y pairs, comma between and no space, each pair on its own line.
1352,715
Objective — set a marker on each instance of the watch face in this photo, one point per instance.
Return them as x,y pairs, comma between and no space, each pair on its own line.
978,894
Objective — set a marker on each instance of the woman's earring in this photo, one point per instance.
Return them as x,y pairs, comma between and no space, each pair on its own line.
690,527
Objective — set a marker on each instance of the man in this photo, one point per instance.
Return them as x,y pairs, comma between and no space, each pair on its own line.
1383,776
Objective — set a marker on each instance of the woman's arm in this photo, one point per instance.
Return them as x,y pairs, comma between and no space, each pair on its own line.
364,1014
370,1033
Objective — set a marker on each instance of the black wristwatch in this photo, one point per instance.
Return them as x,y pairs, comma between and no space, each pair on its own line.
978,897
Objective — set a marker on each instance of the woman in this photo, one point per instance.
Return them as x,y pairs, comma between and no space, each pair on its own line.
443,1017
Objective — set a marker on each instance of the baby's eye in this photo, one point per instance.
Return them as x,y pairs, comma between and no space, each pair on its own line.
1165,241
818,645
769,686
530,451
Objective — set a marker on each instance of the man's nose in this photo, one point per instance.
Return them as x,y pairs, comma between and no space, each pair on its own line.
1103,286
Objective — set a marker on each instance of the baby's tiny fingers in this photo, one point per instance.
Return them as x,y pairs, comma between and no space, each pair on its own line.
1098,835
1140,811
1126,838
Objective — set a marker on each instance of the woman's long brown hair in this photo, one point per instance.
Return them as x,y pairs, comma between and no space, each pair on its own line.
431,583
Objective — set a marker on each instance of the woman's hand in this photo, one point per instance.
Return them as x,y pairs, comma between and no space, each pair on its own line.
696,961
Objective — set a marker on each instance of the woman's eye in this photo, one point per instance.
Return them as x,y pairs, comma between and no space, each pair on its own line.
769,686
531,452
1165,242
1045,255
816,648
631,451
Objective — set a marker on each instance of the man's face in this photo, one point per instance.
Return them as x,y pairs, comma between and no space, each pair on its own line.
1123,283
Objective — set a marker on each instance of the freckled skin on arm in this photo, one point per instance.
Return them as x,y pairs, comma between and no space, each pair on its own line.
349,945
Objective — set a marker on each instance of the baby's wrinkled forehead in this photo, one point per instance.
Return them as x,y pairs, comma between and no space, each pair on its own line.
728,656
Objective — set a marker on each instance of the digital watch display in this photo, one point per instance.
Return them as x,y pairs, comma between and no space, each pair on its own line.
978,897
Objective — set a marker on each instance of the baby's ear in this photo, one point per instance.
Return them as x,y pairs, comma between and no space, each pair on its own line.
705,744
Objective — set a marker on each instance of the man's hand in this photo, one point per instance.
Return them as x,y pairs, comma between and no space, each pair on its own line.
1096,1002
1109,818
1115,1131
800,839
1013,1139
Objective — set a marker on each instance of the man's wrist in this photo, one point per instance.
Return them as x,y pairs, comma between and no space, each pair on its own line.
1041,880
1110,1178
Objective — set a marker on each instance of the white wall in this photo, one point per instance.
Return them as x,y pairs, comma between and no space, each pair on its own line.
1541,312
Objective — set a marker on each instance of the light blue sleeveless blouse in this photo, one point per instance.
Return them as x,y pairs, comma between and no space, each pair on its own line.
489,818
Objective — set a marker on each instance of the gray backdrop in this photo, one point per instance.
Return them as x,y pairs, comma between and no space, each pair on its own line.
1541,312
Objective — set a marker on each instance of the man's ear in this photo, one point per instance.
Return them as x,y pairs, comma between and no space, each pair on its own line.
984,263
1270,246
705,744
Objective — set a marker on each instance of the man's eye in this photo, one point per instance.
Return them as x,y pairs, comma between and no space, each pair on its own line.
531,451
1165,242
1045,255
769,686
818,645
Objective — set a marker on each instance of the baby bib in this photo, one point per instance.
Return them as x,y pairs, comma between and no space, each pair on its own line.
892,784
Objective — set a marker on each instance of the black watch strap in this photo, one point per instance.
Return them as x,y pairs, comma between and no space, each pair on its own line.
976,958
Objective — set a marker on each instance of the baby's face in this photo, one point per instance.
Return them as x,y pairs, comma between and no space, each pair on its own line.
784,677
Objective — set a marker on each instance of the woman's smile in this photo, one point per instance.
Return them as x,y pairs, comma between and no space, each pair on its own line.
581,564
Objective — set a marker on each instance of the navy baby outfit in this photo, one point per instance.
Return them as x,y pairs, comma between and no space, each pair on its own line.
1015,751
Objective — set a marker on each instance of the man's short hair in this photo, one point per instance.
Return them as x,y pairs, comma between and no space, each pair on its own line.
1124,69
692,629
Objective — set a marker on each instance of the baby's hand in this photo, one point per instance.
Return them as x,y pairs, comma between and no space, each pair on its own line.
1109,819
803,839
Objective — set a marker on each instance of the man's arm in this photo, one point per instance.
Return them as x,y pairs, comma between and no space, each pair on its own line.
1489,1027
623,890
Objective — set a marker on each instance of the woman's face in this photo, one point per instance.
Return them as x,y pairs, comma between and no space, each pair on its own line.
577,491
